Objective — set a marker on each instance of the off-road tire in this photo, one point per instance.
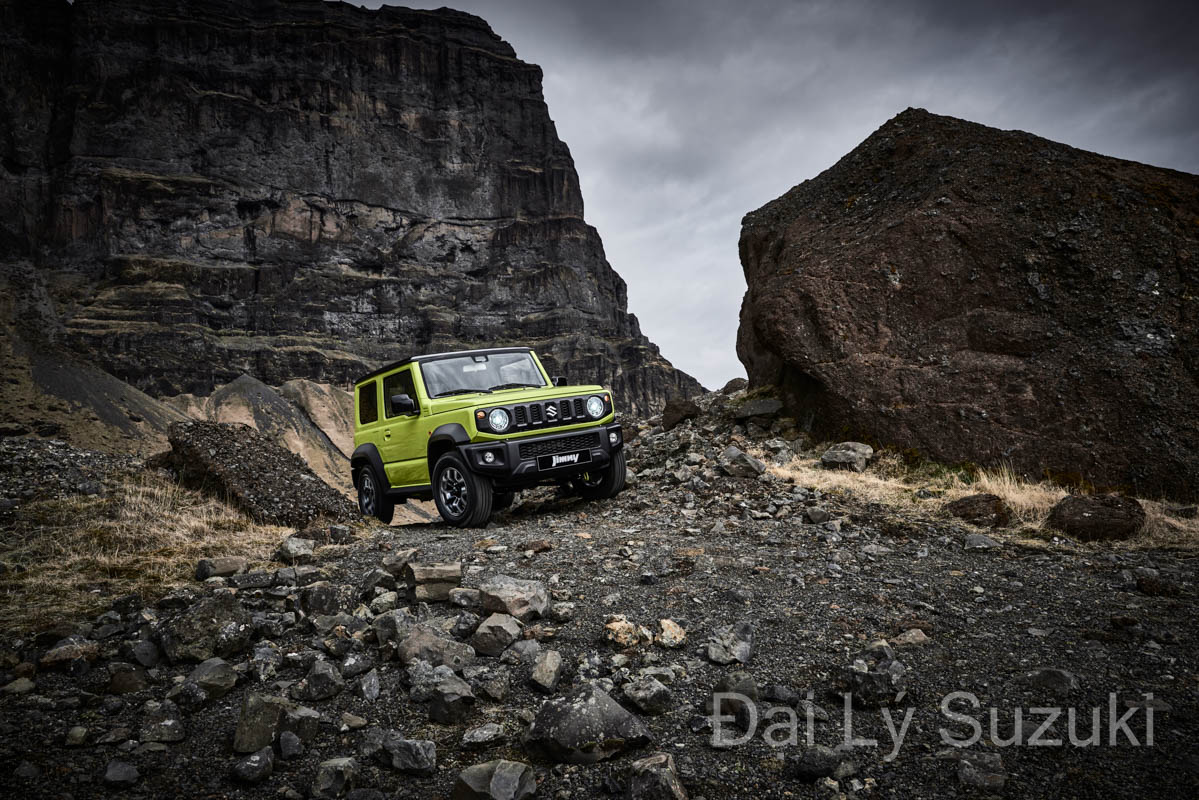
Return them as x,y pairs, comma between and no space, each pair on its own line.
372,497
603,483
463,499
502,500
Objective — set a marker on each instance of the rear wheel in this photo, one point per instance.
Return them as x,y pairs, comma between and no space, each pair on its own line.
602,483
463,499
372,498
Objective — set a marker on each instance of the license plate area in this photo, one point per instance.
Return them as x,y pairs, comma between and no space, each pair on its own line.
561,460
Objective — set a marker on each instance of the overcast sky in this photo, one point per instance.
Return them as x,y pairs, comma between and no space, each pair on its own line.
683,115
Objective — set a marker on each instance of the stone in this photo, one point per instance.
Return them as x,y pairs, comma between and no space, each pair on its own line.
368,687
623,634
68,650
76,736
981,770
395,563
584,727
913,637
422,644
18,686
322,682
655,778
483,736
334,778
414,756
1093,518
876,677
677,410
452,700
393,626
121,774
547,671
161,723
523,599
813,763
649,695
264,718
977,352
495,633
984,510
256,767
464,598
215,676
852,456
1058,682
324,598
266,660
739,464
495,780
980,541
731,643
216,626
816,515
220,567
670,634
431,582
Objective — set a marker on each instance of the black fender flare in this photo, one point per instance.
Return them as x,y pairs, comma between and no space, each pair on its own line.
446,437
366,454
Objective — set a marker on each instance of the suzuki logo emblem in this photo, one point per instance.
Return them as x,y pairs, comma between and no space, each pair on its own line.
551,412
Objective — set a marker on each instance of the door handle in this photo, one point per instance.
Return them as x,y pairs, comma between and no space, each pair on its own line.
387,433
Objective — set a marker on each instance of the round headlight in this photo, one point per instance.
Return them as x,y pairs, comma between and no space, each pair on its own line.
498,420
595,407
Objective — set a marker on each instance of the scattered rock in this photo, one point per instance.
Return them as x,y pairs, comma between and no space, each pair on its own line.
220,567
322,682
980,541
522,599
981,770
334,778
256,767
431,582
547,671
585,727
649,695
984,510
423,644
731,643
121,774
913,637
1091,518
876,676
670,634
847,455
68,650
216,626
414,756
739,464
677,410
623,634
655,778
452,700
483,736
496,780
495,633
215,676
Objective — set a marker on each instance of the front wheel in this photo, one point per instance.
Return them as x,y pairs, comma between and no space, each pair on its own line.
372,498
603,483
463,498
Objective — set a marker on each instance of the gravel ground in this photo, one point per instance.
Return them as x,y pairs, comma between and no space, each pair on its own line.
1122,624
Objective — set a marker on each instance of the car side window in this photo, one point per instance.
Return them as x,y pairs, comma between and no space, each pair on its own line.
368,403
398,383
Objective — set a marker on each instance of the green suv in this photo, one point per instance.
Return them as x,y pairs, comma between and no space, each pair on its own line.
472,428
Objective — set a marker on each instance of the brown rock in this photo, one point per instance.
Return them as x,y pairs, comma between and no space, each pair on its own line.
678,409
985,510
1090,518
984,296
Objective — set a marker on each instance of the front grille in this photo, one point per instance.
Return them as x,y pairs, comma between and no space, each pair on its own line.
545,447
550,413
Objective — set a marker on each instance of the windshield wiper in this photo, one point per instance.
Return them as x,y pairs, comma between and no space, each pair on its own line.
516,386
449,392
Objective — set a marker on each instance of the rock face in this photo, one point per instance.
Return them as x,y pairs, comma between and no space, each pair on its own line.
299,189
982,295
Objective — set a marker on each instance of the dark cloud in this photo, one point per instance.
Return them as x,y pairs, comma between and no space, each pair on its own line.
683,115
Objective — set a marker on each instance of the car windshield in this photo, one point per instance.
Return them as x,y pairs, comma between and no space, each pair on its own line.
480,373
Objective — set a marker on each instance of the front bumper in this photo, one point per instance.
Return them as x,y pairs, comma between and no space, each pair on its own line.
531,460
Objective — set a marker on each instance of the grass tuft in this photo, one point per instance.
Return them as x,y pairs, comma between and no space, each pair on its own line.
72,556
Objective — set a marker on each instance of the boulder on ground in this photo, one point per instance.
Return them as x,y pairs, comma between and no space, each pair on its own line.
585,727
1091,518
677,410
216,626
522,599
847,455
496,780
985,510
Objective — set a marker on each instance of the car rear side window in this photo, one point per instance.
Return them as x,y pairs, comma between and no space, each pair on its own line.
398,383
368,403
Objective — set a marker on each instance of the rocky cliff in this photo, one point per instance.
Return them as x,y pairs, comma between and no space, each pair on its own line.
298,189
983,296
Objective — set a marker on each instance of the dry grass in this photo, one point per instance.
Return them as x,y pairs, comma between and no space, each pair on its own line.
71,556
892,483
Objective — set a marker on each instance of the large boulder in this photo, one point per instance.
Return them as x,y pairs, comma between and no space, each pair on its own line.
985,510
1092,518
216,626
985,296
585,727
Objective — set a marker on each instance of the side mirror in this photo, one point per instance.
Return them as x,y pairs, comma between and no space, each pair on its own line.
402,404
558,380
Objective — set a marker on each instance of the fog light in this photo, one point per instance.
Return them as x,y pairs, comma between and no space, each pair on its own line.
489,458
613,438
